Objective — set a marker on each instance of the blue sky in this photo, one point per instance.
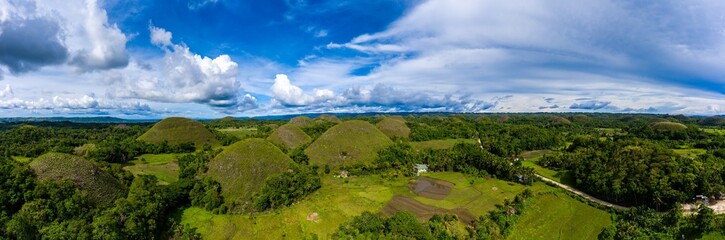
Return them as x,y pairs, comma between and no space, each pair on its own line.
212,58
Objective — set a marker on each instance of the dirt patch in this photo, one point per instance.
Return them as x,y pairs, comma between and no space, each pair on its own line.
421,211
431,188
313,217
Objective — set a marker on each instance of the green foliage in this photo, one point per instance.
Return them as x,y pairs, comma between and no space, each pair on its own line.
207,194
401,225
285,188
194,164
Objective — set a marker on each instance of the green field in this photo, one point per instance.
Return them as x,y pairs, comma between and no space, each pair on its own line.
241,133
690,152
441,144
22,159
340,199
532,158
558,216
163,166
717,131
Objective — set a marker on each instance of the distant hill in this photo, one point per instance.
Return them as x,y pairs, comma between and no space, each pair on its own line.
102,188
243,167
329,118
668,126
347,142
289,136
301,121
177,130
394,127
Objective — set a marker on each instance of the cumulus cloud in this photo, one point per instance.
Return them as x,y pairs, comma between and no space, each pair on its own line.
181,76
6,92
160,36
83,104
589,105
28,40
380,97
40,33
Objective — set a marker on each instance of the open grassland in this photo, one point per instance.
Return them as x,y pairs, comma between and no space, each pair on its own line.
164,166
176,130
22,159
241,133
531,160
348,142
558,216
101,187
341,199
441,144
718,131
690,152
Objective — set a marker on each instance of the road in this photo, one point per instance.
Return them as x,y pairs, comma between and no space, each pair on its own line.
582,194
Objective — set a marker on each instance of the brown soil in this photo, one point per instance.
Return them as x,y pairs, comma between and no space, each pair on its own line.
431,188
421,211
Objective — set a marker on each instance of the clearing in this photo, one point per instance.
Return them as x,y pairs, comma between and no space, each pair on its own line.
441,144
164,166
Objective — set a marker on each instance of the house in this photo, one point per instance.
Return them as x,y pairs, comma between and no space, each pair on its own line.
702,199
419,168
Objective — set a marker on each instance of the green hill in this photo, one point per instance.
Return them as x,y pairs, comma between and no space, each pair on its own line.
393,127
102,188
177,130
668,126
347,142
301,121
329,118
289,136
242,168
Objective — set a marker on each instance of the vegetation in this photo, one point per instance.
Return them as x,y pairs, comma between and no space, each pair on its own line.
393,128
101,187
285,188
289,136
242,168
346,143
176,130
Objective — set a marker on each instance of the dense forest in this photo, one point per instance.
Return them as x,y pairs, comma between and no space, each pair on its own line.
639,161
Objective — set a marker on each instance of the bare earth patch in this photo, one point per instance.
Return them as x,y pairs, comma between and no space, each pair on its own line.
431,188
422,211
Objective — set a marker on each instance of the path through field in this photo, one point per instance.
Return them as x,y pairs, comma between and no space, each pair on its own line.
582,194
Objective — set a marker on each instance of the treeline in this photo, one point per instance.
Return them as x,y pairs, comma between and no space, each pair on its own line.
646,223
400,158
637,172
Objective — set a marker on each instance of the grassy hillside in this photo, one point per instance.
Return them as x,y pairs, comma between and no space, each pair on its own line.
347,142
301,121
329,118
242,168
289,136
102,188
393,127
668,126
177,130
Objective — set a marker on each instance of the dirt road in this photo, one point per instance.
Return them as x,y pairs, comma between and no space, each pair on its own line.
582,194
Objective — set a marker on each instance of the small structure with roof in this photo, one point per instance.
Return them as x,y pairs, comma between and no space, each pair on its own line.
419,168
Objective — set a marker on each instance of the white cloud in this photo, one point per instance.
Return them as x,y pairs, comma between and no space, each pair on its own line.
181,76
46,32
289,94
6,92
160,36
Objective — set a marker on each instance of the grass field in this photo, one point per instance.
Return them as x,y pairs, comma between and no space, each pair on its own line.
22,159
690,152
340,199
558,216
241,133
532,158
717,131
441,144
163,166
